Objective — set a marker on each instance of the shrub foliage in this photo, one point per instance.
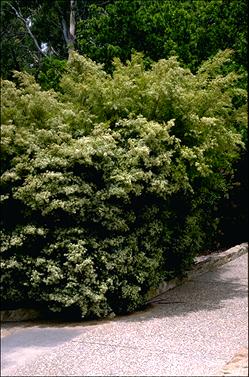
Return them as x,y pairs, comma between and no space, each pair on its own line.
112,183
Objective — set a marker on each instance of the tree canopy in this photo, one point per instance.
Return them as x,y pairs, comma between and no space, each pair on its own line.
191,30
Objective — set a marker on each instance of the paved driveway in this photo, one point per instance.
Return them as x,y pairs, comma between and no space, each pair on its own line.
194,330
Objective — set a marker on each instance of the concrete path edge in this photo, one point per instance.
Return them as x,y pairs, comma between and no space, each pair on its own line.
202,264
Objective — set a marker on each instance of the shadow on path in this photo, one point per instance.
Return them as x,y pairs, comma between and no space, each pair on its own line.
207,292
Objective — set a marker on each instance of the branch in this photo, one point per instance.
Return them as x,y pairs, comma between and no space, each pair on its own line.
104,3
25,22
52,51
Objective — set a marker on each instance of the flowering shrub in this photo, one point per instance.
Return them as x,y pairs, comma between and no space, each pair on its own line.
110,184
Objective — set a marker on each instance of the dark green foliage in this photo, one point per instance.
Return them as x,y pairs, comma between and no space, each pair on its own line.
110,184
50,73
233,210
192,30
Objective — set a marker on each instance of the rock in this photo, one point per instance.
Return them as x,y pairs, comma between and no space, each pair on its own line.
238,366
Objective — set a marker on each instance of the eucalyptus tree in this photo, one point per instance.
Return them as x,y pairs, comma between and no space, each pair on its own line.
36,30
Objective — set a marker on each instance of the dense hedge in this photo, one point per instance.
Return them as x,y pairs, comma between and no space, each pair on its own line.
112,184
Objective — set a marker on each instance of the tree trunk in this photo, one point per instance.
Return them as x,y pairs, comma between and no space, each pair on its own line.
71,34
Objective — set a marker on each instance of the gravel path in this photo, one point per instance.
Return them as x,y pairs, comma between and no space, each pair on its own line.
197,329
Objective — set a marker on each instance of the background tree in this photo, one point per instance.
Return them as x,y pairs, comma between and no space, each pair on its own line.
32,30
192,30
